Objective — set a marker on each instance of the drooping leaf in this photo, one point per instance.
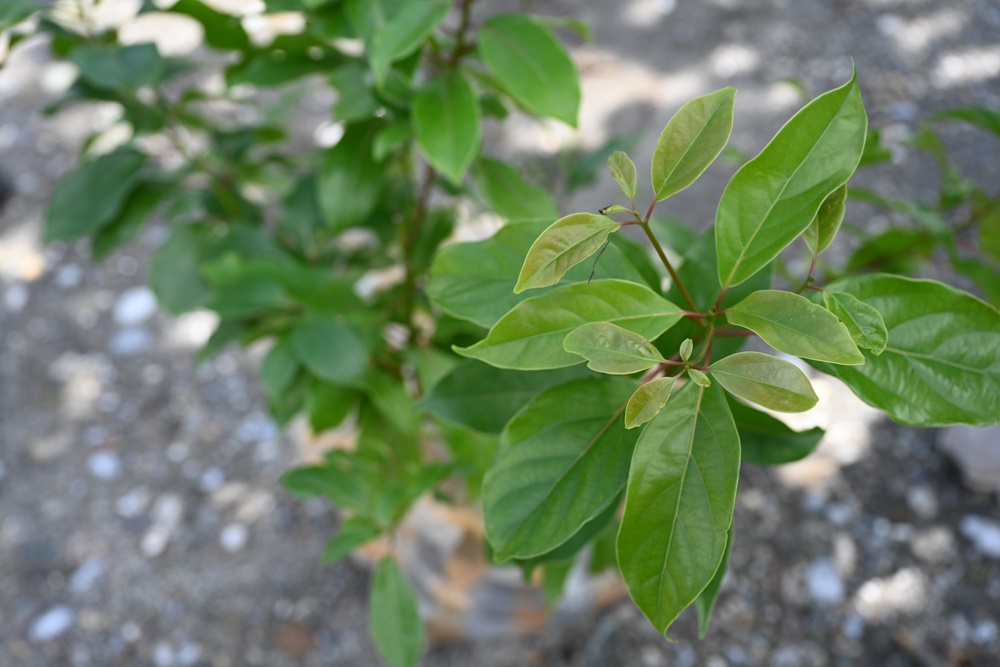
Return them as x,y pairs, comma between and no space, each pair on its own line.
484,398
691,141
566,243
138,209
393,616
113,66
446,123
679,503
794,325
767,441
623,171
530,336
765,380
354,532
349,181
405,32
563,459
647,401
509,195
531,65
775,196
610,349
941,364
92,196
865,324
983,117
820,232
331,349
705,603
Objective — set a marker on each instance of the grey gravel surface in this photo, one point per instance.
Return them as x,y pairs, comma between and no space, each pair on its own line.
142,522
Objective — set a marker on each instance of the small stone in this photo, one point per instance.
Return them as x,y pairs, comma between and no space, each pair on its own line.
234,537
985,632
155,541
823,582
131,633
69,276
975,452
163,655
15,298
133,503
211,480
922,501
104,465
134,306
51,624
50,447
130,341
853,627
188,654
295,639
168,510
177,452
935,545
982,532
86,576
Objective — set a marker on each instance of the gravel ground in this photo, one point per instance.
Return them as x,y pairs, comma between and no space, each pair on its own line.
142,522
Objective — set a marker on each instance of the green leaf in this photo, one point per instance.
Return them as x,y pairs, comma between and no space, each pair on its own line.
610,349
336,479
391,139
354,532
699,378
942,362
826,224
775,196
989,233
571,547
983,117
705,602
91,197
368,16
174,273
405,32
530,336
765,380
865,324
532,66
222,31
484,398
687,347
562,246
14,11
279,368
691,141
614,208
563,459
475,281
647,401
446,124
767,441
509,196
355,101
679,503
328,404
393,616
894,250
792,324
113,66
140,206
623,171
330,349
349,181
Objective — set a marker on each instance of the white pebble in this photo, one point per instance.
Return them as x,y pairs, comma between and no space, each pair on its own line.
233,537
134,306
155,541
163,655
984,533
86,576
168,510
104,465
131,632
823,581
51,624
15,298
211,480
922,501
69,276
133,503
130,341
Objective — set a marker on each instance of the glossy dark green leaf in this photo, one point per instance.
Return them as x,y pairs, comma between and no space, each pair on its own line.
647,401
610,349
792,324
775,196
940,365
531,64
446,122
982,117
393,616
330,349
767,441
765,380
484,398
113,66
349,181
826,224
530,336
509,195
864,323
92,196
566,243
705,603
691,141
354,532
563,459
405,32
679,503
623,171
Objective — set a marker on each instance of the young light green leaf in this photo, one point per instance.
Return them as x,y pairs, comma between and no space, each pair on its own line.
699,378
331,350
393,616
610,349
509,195
691,141
623,171
687,347
349,181
530,336
775,196
865,324
679,503
705,602
614,208
794,325
765,380
563,459
532,66
940,364
647,401
354,532
446,124
767,441
826,224
562,246
404,33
